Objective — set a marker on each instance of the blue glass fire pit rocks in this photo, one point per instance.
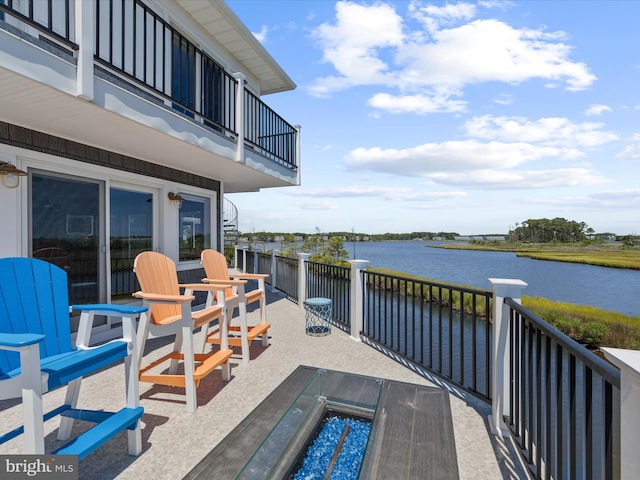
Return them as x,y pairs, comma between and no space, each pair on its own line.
347,452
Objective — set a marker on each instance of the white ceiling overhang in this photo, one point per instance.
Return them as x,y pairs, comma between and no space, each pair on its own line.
218,19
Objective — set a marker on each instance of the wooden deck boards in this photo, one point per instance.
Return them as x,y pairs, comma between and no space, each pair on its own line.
411,438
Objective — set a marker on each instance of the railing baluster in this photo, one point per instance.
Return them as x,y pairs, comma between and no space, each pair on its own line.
572,418
560,444
548,407
588,420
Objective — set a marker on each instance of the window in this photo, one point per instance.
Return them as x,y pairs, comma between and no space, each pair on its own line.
194,227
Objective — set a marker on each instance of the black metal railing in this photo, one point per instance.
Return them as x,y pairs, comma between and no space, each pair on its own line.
249,266
563,401
442,327
264,264
134,41
52,18
334,282
138,45
287,277
123,280
269,133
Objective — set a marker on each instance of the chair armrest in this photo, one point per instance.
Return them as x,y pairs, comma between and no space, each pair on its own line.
205,287
111,309
224,283
88,313
249,276
158,298
15,341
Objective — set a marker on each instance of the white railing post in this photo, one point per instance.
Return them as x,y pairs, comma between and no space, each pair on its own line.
357,296
628,361
302,278
274,254
240,77
244,259
502,288
235,257
298,179
256,256
84,25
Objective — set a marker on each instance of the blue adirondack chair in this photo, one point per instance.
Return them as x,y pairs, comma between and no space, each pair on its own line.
37,355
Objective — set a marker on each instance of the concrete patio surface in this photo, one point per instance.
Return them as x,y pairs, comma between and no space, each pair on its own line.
174,441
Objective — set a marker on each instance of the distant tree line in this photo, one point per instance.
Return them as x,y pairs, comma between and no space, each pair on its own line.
268,237
543,230
540,230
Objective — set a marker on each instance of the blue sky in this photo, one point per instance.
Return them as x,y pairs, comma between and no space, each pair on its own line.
444,116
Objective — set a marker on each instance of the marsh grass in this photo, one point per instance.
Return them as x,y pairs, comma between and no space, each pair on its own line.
604,255
588,325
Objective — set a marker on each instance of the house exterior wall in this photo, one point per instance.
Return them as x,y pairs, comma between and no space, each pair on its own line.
88,110
37,152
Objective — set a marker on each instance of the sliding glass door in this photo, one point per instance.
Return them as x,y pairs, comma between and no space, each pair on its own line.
66,231
131,227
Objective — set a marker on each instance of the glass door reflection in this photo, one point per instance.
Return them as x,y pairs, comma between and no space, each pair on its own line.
131,233
65,230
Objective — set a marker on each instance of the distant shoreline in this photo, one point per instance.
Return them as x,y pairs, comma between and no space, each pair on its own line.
614,255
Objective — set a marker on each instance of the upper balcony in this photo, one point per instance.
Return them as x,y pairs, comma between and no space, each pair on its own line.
179,87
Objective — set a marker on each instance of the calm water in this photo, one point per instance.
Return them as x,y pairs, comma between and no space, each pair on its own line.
611,289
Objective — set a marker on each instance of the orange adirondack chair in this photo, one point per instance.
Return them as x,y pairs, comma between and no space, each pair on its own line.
215,267
171,314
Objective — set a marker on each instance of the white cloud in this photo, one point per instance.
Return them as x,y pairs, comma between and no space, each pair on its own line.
318,206
631,152
490,50
452,156
420,104
352,44
261,36
433,17
374,45
546,131
595,110
496,179
503,99
389,193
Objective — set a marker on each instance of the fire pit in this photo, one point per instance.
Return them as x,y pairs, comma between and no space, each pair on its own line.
403,430
302,440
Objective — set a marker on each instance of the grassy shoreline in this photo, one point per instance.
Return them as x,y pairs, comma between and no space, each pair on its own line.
603,255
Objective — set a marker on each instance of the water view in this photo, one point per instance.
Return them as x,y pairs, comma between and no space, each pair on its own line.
612,289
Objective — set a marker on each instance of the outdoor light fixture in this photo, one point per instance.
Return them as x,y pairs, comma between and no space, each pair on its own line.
10,174
176,198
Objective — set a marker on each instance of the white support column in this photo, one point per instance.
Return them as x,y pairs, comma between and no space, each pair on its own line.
274,266
502,288
628,361
256,261
240,77
298,127
244,259
302,278
84,26
357,296
235,257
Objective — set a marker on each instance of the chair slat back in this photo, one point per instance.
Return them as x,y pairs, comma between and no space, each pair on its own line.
34,299
157,274
215,267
